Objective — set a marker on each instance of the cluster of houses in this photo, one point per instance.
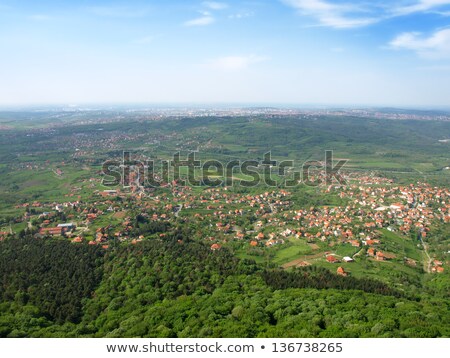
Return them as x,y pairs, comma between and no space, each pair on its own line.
263,219
58,230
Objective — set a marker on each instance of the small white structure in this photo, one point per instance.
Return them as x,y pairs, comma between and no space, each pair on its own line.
67,225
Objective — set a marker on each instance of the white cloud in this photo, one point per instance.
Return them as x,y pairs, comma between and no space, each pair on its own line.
200,21
436,46
234,63
333,15
363,13
241,15
206,17
214,5
419,6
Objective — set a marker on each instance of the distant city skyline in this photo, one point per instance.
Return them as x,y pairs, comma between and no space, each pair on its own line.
284,52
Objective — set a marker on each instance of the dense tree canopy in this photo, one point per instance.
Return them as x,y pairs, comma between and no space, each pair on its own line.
172,286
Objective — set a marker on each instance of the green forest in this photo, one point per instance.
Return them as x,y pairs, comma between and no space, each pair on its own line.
177,287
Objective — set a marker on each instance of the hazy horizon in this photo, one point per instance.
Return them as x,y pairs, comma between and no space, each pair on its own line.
214,105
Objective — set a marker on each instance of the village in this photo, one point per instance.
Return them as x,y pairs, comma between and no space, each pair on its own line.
378,218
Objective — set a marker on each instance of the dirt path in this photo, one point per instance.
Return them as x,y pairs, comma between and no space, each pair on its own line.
426,266
357,254
306,258
294,263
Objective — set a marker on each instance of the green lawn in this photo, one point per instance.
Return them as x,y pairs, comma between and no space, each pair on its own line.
401,245
292,250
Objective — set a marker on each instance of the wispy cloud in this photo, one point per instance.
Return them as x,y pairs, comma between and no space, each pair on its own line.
362,13
241,15
235,63
200,21
435,46
214,5
419,6
333,15
206,17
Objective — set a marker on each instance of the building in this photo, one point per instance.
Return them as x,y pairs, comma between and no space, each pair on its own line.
355,243
215,247
67,226
341,272
332,259
53,231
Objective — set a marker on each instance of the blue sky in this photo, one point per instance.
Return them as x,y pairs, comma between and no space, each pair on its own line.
377,52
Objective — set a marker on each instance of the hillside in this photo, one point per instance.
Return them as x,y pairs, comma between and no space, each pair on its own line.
205,253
